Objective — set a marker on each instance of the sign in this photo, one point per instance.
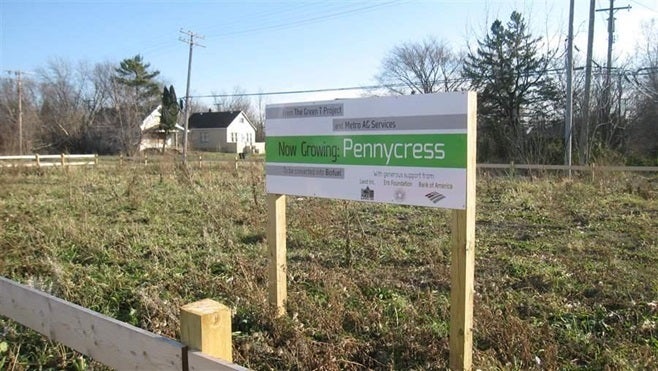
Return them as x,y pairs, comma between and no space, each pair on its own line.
408,150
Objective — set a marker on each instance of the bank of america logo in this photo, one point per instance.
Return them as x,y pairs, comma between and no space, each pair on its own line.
435,197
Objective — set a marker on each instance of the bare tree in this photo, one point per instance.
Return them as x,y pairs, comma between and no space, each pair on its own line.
62,108
643,136
73,108
421,67
105,100
235,101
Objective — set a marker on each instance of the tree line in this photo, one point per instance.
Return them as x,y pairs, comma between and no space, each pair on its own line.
79,109
520,81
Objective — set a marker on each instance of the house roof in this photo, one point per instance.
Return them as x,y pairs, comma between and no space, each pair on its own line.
212,120
152,121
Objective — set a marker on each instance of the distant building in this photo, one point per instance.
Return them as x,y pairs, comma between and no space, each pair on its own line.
152,135
229,132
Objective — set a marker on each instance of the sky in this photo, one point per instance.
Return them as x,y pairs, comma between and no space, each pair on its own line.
264,46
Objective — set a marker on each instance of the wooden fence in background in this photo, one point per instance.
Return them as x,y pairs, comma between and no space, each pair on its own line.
586,168
111,342
39,161
64,160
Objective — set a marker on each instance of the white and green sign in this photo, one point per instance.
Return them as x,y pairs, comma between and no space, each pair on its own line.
409,150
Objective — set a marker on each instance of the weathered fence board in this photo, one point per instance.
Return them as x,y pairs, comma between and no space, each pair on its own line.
47,160
106,340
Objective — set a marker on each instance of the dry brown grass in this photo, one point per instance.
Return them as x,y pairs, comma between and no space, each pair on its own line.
565,269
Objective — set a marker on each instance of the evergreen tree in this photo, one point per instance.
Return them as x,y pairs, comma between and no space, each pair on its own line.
511,77
134,73
168,113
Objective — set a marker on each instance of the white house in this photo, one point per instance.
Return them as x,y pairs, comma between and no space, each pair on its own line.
230,132
152,135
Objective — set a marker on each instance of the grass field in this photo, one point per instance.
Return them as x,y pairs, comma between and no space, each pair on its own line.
566,270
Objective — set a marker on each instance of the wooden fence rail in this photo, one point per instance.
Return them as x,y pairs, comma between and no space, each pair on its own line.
114,343
39,161
587,168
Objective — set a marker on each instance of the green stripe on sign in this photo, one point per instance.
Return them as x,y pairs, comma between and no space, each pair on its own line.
417,150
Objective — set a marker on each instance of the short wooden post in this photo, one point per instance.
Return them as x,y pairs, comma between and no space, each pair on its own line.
121,159
205,325
199,162
276,242
146,159
236,162
36,158
62,160
96,159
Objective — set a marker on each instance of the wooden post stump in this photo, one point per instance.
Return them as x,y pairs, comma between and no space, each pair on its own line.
205,325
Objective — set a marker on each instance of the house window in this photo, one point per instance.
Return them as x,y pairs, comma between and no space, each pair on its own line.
234,137
203,137
241,119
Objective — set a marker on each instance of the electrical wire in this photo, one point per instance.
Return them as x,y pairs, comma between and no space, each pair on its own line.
644,6
295,19
643,71
292,24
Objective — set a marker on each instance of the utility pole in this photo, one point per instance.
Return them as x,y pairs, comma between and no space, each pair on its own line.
568,125
584,128
192,43
611,39
19,83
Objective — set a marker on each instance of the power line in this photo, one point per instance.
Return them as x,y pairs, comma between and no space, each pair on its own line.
294,20
284,92
553,71
239,20
273,17
291,24
644,6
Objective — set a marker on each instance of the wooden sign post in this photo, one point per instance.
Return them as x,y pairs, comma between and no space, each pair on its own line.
276,242
462,271
409,150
